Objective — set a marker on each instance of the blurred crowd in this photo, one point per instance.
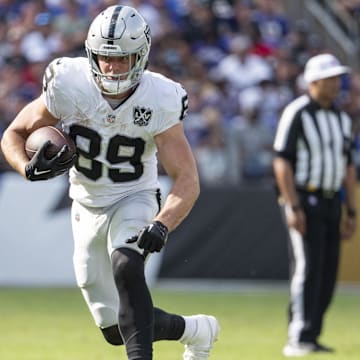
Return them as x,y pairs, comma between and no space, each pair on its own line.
352,7
241,62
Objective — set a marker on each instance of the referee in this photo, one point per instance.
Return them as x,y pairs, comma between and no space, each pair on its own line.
312,165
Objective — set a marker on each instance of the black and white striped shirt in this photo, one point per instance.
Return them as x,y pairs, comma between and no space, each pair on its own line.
316,141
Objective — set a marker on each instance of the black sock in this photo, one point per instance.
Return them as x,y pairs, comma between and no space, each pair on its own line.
168,326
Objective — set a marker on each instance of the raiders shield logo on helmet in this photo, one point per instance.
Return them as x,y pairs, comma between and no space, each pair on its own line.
142,115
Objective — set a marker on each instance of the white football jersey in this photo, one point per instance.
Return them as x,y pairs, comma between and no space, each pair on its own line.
116,147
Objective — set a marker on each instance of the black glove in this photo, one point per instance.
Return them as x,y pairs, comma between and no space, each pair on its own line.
41,168
152,237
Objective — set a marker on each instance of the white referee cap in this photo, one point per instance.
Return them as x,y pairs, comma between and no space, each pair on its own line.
323,66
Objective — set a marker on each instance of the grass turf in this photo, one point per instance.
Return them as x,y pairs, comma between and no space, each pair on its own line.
54,324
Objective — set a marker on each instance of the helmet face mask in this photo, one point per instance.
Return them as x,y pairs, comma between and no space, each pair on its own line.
118,31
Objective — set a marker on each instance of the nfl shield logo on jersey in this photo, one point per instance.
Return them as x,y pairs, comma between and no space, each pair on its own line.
142,115
110,119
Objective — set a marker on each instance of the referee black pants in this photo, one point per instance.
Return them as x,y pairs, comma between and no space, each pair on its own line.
314,262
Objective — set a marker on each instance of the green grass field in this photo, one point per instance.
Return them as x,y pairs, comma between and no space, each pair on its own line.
54,324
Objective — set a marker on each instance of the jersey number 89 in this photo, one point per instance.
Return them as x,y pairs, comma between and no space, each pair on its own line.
94,172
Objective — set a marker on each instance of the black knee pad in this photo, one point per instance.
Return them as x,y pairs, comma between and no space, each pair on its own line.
112,335
128,266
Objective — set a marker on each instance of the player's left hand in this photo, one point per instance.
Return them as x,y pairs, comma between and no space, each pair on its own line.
152,237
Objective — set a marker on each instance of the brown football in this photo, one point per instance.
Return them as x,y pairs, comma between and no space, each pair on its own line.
57,137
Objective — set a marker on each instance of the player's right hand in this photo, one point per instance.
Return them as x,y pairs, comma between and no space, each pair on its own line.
41,168
151,238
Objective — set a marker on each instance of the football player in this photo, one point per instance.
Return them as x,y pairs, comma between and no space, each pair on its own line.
120,115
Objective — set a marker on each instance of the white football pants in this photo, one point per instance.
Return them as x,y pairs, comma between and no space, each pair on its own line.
97,232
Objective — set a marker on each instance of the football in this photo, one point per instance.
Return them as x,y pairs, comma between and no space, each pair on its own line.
57,137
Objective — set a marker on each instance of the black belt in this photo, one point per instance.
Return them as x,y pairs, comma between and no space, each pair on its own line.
326,194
